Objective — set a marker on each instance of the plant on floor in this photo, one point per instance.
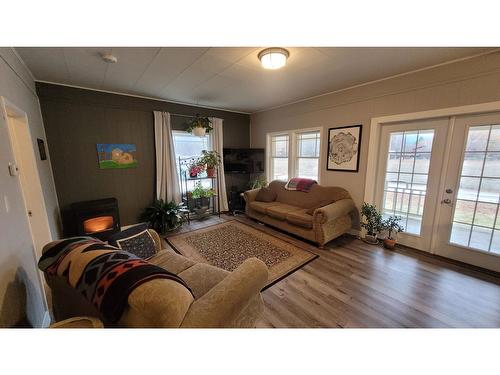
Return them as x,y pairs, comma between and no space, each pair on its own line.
372,222
391,224
210,159
163,217
199,126
259,182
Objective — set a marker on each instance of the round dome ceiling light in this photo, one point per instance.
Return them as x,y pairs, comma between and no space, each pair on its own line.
109,58
273,58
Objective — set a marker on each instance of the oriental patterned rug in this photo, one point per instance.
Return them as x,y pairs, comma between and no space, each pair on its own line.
229,244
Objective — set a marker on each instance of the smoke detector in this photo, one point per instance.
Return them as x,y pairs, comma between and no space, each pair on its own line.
109,58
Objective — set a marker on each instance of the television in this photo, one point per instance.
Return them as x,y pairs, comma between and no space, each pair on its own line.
244,160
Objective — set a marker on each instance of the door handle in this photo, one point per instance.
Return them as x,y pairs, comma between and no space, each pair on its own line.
446,201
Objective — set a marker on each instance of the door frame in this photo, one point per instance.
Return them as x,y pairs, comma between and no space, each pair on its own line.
374,143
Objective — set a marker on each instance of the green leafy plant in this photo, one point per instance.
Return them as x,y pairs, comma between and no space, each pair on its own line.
209,158
201,192
200,122
372,219
391,224
162,216
258,183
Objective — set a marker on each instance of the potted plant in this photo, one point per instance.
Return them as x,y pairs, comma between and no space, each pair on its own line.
201,196
258,183
210,159
163,217
195,169
391,224
199,126
372,222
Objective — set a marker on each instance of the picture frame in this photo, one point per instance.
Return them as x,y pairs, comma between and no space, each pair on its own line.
41,149
344,144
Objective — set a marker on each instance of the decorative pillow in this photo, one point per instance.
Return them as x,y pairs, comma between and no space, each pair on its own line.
129,232
326,202
266,194
140,244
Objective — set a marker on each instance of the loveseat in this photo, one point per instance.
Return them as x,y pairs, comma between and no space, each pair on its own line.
221,298
319,215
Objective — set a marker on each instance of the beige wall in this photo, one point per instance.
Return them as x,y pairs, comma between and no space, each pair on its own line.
472,81
21,292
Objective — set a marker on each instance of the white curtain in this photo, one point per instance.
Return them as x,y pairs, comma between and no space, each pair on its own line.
167,179
217,145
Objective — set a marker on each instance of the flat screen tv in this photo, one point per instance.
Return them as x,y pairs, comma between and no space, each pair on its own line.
244,160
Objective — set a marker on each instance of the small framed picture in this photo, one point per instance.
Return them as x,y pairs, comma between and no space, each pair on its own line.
41,149
344,144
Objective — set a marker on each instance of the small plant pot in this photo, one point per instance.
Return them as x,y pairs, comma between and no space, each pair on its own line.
210,172
199,131
371,239
389,243
193,174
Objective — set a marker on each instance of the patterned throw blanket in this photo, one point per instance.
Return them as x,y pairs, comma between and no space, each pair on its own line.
300,184
103,274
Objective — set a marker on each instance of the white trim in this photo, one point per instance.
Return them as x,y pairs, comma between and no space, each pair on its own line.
142,97
377,122
380,80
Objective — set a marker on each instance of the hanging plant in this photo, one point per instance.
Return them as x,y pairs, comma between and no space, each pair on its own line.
199,126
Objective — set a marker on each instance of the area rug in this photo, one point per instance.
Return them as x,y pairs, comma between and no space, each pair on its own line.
229,244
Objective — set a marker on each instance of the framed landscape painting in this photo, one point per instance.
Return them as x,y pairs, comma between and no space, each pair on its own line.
116,155
344,144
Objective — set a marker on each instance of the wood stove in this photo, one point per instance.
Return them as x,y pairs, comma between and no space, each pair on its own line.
98,218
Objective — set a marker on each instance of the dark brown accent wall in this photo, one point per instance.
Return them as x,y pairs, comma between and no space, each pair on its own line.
76,120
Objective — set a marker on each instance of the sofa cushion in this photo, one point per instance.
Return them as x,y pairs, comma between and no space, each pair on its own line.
171,261
323,203
266,195
261,207
280,210
300,218
202,277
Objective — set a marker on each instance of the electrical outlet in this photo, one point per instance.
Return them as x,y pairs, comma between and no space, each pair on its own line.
13,169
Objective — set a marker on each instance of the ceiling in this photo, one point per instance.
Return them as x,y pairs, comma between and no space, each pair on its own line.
228,77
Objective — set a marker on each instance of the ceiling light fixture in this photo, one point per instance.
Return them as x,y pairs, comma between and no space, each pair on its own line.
109,58
273,58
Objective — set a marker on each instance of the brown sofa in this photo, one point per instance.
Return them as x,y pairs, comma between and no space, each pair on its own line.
221,298
289,211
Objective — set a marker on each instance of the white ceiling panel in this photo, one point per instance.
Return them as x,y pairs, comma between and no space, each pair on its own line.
229,77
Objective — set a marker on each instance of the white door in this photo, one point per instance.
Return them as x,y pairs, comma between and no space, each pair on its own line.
409,169
469,222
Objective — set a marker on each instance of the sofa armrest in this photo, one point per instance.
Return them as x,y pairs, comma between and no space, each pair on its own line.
250,195
223,303
334,210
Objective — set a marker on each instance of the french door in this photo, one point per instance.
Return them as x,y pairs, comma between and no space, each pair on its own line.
442,176
410,164
469,219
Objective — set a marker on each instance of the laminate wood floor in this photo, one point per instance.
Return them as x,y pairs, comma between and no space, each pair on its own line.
354,284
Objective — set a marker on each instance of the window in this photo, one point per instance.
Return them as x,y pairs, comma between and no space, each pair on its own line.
476,221
279,157
294,154
307,158
406,177
187,145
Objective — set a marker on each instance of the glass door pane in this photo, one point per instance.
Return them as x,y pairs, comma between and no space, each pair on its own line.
475,221
406,176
